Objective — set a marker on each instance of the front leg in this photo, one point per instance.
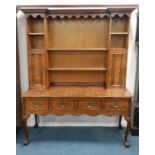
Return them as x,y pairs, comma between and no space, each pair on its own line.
120,125
26,138
128,128
36,121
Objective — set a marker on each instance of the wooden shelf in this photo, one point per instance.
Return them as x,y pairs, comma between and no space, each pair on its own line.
36,34
78,49
119,33
37,50
77,69
118,49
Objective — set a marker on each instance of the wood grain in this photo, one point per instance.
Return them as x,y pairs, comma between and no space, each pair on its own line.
86,33
117,69
37,70
77,58
120,24
36,25
78,92
77,61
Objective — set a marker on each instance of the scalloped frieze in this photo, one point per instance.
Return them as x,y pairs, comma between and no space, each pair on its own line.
78,16
120,15
35,15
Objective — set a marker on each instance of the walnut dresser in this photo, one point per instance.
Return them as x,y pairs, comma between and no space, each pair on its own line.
77,59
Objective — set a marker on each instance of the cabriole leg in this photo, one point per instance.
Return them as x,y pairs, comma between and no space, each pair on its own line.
126,143
26,138
120,125
36,121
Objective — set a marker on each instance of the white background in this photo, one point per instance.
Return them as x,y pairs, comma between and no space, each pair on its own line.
8,72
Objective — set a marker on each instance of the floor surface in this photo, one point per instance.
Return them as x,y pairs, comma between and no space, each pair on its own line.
76,141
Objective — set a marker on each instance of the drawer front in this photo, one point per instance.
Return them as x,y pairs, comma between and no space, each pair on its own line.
115,112
116,104
37,105
90,104
62,104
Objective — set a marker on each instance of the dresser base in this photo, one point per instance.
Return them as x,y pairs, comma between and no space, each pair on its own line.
77,101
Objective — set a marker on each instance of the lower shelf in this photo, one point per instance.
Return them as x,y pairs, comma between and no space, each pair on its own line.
77,69
77,76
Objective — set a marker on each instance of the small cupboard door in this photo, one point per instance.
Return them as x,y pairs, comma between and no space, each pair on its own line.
37,70
117,69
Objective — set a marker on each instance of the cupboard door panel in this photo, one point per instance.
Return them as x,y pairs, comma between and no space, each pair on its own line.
37,70
117,69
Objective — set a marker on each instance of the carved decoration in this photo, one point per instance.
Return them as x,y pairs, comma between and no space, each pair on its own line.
78,16
35,15
120,15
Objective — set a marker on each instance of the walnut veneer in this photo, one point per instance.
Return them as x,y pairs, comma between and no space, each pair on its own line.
77,62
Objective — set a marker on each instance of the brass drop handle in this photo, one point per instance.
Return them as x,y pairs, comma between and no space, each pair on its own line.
116,104
89,104
62,104
36,104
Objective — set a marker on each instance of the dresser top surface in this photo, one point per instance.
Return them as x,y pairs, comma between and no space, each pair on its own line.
78,92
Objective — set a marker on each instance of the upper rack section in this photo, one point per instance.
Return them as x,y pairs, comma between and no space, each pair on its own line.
78,11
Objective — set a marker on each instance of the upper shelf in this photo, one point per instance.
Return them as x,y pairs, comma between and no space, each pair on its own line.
119,33
78,49
36,34
77,69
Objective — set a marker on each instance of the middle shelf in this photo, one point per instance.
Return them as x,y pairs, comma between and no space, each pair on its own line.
36,34
77,69
119,33
79,60
77,49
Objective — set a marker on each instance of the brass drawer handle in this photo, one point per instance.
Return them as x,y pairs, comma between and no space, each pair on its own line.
62,104
90,104
36,104
116,104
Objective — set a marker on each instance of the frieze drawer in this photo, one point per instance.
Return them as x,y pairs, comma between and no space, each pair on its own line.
90,104
36,105
62,105
116,104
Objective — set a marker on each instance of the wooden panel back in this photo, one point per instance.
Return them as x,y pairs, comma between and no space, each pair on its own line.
77,76
120,24
36,42
36,25
77,33
77,59
118,41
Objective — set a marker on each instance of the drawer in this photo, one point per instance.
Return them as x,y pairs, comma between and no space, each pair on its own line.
90,104
116,104
62,104
37,105
115,112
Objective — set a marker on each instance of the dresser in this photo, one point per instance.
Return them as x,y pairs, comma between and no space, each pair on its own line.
77,60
